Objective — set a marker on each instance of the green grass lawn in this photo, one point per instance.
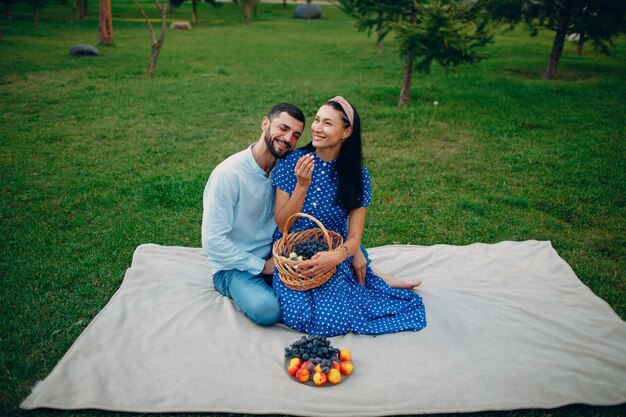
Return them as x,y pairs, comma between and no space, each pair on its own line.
96,159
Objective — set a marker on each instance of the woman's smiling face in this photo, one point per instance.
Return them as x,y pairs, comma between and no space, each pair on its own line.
327,130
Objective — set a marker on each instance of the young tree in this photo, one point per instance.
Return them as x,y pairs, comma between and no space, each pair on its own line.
408,48
600,23
105,23
248,6
595,20
35,11
82,6
157,43
77,6
8,9
442,31
194,7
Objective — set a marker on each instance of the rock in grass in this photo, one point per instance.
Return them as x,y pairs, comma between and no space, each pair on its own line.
180,25
308,11
84,50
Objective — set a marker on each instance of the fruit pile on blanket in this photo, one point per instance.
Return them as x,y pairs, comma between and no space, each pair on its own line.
312,359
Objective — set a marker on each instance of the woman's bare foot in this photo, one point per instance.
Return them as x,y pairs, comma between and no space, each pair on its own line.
395,282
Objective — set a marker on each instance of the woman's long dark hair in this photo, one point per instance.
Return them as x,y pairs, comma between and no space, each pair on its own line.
348,164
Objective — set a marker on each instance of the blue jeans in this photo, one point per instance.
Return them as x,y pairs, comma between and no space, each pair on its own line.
252,294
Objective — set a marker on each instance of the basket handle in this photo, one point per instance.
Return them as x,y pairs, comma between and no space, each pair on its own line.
291,220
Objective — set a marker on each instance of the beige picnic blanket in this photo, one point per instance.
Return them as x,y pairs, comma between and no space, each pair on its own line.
509,326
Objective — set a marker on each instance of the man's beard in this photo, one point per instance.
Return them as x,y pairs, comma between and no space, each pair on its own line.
269,142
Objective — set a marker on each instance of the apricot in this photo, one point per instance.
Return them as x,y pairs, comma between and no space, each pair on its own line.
303,375
336,365
295,362
307,365
334,376
344,355
319,378
346,367
292,370
318,368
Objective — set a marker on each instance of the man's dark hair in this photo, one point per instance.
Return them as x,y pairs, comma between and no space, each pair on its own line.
288,108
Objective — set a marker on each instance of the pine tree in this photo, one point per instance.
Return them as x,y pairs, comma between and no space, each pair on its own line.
596,20
442,31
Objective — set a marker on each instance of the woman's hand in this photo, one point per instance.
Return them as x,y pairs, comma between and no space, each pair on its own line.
304,170
320,263
359,265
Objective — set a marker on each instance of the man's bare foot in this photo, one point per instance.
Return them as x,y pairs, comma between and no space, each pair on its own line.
395,282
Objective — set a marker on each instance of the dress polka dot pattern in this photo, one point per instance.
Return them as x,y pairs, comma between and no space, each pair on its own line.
341,305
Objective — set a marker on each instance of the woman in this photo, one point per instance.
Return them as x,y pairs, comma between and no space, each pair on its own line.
326,179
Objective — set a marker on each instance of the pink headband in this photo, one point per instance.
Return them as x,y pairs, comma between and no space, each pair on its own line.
347,108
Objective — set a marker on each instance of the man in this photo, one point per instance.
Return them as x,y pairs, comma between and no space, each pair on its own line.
238,218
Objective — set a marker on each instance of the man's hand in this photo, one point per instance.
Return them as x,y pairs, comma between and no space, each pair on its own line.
359,266
268,269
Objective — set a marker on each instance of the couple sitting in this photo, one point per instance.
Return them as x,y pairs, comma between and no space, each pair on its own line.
250,196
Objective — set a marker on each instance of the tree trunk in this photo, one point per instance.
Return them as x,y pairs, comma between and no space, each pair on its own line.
581,43
8,10
246,12
154,56
255,8
406,79
380,33
194,7
408,67
105,23
284,4
86,8
379,38
35,13
559,42
157,44
79,6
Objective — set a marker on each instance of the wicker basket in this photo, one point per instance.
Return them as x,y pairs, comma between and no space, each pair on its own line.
287,243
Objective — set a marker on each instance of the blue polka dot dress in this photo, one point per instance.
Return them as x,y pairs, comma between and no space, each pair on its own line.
341,305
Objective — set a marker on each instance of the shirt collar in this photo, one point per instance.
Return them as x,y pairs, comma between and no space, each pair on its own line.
324,163
252,162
